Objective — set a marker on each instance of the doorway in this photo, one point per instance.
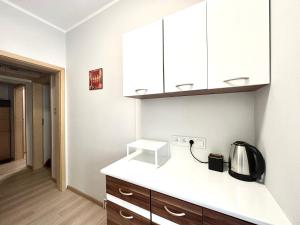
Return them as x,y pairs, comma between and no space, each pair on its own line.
12,122
12,128
24,68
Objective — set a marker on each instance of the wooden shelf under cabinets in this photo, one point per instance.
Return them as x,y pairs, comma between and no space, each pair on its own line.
201,92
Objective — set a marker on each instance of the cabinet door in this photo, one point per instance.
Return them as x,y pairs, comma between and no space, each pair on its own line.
4,133
143,60
214,218
185,49
238,43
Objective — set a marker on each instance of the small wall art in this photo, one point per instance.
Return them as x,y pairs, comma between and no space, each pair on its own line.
96,79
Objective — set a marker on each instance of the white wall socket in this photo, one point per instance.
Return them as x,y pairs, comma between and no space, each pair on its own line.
199,142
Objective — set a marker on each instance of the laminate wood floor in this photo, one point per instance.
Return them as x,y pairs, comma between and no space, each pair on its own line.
8,169
31,198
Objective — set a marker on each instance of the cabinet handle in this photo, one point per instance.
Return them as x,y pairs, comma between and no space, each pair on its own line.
125,193
188,84
172,213
125,217
141,89
236,78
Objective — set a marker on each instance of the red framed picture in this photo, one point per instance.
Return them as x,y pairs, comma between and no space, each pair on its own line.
96,79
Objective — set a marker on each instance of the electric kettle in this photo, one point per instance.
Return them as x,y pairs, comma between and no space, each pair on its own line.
245,162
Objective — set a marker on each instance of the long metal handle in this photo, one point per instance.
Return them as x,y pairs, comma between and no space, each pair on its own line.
236,78
125,217
125,193
141,89
180,85
173,213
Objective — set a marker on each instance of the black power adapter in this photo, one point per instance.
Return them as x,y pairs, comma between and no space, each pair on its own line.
216,162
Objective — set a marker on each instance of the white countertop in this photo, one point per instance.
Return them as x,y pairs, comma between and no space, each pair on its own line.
184,178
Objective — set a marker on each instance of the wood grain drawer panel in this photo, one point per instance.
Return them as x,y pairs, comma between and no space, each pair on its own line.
164,206
4,145
131,193
211,217
4,125
116,214
4,113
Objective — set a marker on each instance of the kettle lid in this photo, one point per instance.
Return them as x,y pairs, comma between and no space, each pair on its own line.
240,143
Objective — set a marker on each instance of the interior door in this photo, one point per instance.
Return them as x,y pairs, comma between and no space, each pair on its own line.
185,49
143,60
19,122
238,43
46,123
4,130
37,126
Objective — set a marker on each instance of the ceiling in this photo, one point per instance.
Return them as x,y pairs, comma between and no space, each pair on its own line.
61,14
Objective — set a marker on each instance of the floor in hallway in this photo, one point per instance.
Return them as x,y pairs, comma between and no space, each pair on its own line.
31,198
8,169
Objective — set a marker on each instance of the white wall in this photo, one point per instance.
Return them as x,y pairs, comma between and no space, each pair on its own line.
26,36
221,119
101,123
278,109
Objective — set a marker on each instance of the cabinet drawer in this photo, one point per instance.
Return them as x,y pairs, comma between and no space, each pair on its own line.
215,218
175,210
117,215
134,194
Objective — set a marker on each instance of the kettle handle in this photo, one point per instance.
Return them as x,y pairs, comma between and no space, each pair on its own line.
259,161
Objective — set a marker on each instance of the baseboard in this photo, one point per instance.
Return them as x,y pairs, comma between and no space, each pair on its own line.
29,167
88,197
3,161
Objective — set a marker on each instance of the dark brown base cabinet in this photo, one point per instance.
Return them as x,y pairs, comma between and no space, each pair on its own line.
117,215
211,217
172,209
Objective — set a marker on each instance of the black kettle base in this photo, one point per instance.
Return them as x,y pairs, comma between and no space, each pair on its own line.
241,176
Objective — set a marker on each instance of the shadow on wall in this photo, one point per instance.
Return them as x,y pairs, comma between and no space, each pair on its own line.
261,102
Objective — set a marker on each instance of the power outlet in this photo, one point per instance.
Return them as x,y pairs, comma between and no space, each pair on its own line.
199,142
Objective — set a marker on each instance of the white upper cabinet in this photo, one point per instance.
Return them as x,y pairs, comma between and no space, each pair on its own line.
185,49
143,60
238,43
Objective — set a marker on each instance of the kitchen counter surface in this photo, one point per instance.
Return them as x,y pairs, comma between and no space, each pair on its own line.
184,178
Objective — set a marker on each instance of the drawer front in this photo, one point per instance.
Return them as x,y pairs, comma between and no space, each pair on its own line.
175,210
117,215
134,194
215,218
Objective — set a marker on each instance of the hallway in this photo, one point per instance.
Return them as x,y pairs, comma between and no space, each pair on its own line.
31,198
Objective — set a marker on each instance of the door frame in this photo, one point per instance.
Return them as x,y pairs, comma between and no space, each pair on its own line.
59,74
24,145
